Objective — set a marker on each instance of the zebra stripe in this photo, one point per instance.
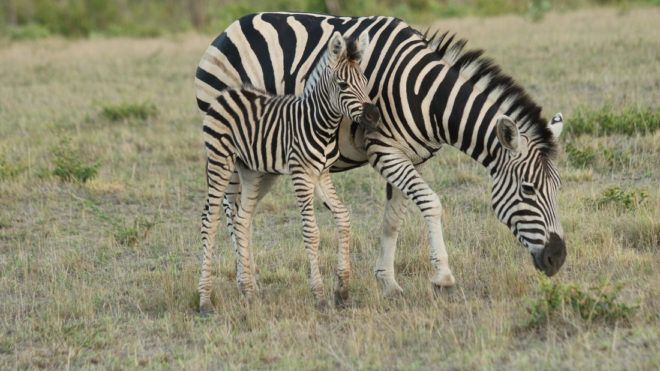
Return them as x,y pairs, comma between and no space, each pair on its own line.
257,133
431,91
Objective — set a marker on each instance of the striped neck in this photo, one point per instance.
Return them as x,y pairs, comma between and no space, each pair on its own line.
318,108
465,117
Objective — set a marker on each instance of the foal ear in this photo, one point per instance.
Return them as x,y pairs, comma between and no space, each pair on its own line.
336,48
507,133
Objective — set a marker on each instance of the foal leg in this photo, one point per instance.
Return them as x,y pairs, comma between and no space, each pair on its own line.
303,186
232,201
326,192
242,227
219,167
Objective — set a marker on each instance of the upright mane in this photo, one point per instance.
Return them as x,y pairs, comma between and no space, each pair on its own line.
487,76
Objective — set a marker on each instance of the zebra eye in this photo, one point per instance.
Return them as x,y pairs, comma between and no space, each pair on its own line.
342,85
527,189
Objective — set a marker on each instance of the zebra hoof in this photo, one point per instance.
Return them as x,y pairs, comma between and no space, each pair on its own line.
443,280
341,298
444,291
205,309
393,291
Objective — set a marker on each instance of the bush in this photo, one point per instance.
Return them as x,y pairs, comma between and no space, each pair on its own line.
605,121
599,303
124,233
30,31
8,170
124,111
630,200
69,165
580,158
536,9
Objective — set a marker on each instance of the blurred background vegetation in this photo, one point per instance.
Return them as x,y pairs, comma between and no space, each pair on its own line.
31,19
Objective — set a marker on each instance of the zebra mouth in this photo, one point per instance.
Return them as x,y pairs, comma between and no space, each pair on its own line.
370,117
552,257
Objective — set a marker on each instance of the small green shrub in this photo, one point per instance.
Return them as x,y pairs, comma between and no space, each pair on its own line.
536,9
630,200
129,235
124,111
580,158
30,31
124,233
70,164
8,170
599,303
615,158
605,121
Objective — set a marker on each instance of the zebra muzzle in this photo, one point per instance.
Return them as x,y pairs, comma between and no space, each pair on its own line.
370,117
552,257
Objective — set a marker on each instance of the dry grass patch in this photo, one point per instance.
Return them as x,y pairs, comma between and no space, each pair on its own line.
75,294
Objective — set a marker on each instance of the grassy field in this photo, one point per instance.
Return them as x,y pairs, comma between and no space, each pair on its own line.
104,273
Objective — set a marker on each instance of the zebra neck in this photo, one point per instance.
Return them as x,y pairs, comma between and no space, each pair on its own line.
464,118
323,117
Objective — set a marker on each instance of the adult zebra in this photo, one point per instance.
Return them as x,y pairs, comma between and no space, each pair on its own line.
430,91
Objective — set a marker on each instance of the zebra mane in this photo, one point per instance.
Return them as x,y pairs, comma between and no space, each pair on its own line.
488,77
312,77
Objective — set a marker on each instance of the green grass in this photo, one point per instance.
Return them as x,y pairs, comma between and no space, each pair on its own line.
70,164
124,111
606,120
103,273
598,303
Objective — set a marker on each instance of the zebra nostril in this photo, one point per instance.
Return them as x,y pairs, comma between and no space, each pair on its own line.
371,112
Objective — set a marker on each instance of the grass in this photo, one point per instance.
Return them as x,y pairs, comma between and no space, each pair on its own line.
103,273
598,303
606,120
125,110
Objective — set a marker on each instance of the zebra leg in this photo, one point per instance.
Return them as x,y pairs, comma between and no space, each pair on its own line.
242,229
392,219
218,173
231,202
399,171
303,187
326,192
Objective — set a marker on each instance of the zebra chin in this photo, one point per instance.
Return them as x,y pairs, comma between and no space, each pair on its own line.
552,257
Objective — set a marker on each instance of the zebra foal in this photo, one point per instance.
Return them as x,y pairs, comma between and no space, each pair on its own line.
258,133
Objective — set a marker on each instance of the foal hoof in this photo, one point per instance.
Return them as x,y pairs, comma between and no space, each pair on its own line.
341,299
444,290
205,309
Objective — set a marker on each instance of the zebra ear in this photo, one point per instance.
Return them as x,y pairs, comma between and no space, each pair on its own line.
507,133
363,44
336,48
556,125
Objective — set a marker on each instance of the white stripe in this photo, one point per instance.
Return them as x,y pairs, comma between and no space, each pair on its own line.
249,60
301,41
275,50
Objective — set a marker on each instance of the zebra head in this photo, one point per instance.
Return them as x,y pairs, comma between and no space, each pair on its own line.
524,193
348,85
